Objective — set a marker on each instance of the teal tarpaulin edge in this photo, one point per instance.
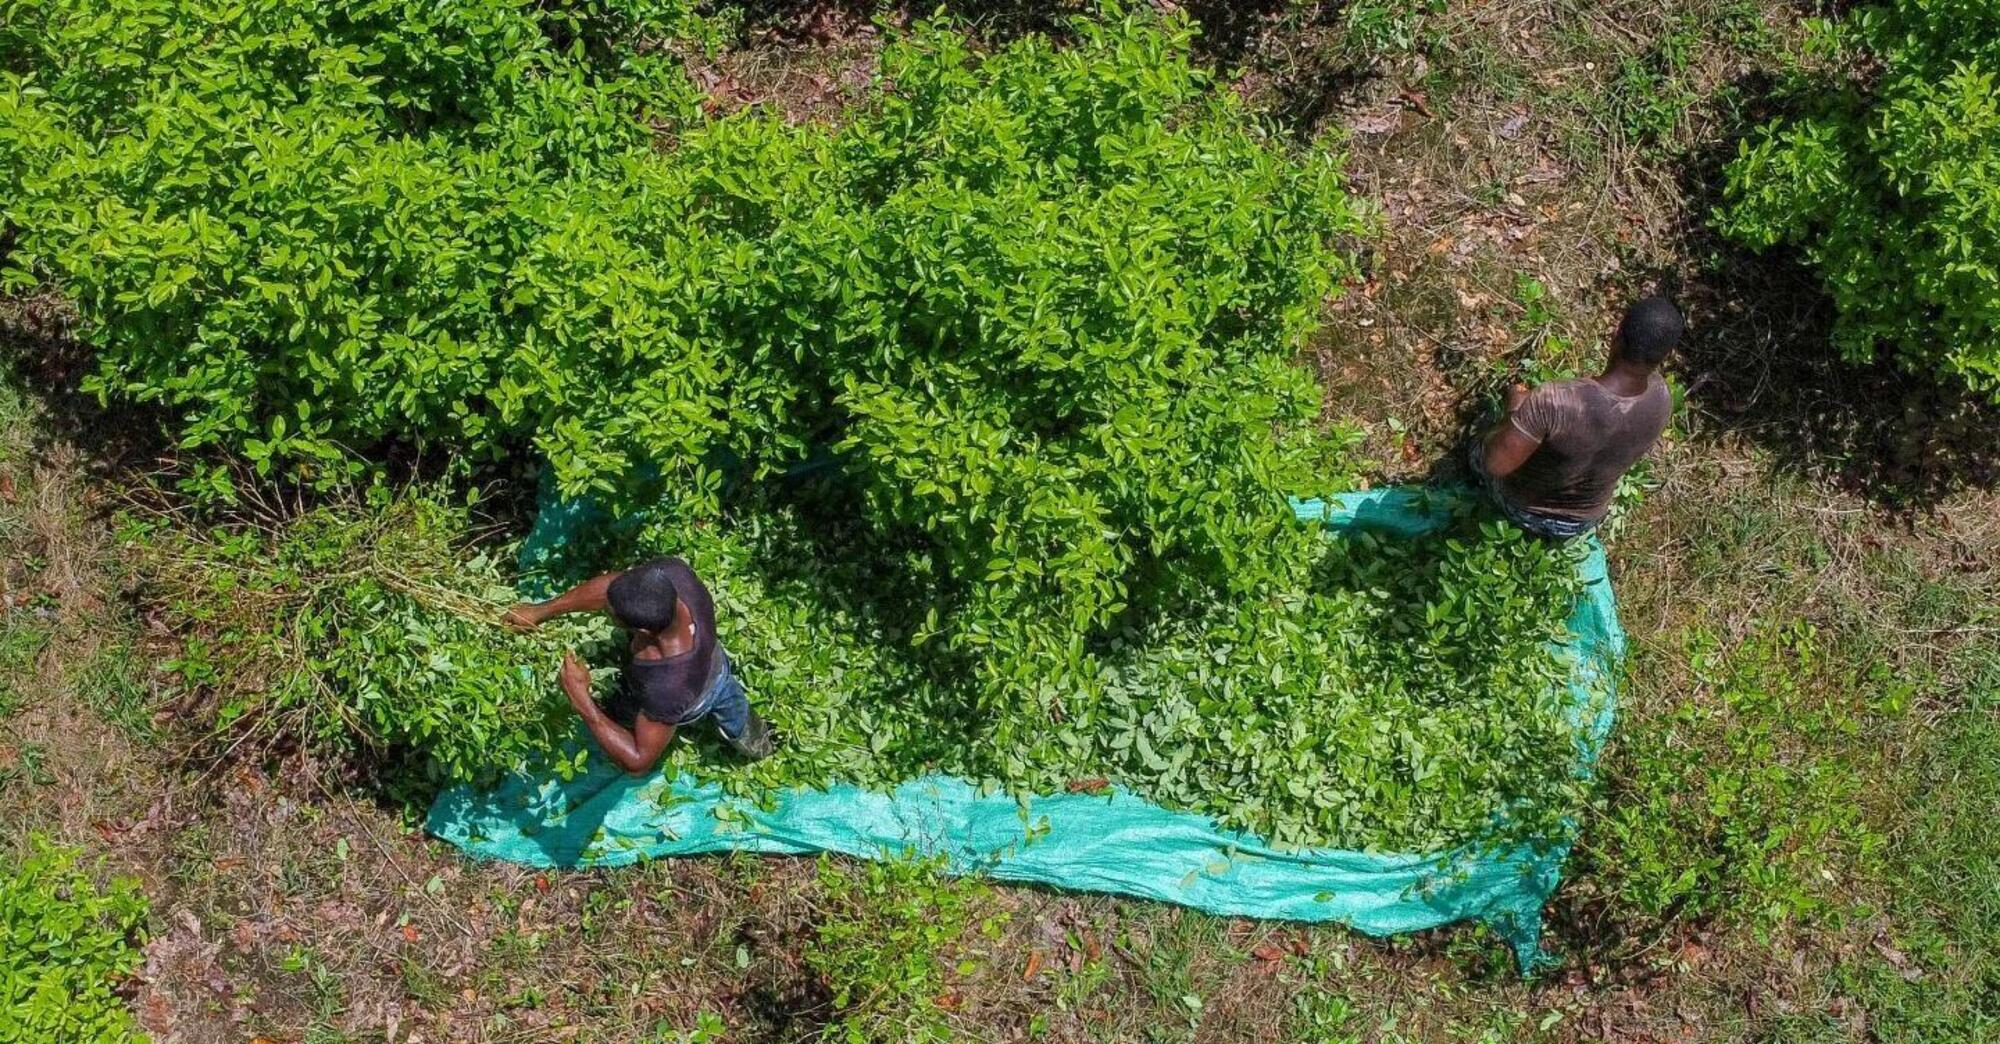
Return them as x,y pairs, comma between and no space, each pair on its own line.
1113,842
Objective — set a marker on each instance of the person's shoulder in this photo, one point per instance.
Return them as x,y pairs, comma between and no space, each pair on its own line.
683,575
1561,395
1556,387
671,565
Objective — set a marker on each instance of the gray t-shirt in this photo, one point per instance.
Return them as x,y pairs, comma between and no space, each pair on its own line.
1589,439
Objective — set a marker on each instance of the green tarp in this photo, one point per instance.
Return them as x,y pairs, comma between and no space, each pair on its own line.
1114,842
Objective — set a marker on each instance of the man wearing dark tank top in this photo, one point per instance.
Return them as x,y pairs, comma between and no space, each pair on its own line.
677,673
1554,460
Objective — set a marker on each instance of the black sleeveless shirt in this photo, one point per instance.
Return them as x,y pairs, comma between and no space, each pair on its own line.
666,690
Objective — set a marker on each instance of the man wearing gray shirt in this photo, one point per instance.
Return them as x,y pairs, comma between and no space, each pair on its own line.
1554,460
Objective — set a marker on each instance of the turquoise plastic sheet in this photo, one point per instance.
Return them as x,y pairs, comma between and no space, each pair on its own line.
1114,842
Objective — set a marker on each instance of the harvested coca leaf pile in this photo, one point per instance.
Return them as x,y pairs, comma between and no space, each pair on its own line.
1388,694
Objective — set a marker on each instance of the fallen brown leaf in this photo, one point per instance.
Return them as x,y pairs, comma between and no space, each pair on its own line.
1899,960
1385,122
1034,965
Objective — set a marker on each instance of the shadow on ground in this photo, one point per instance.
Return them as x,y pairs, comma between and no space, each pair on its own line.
38,343
1231,30
1763,367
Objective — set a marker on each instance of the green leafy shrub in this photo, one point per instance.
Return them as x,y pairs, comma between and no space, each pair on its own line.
1890,186
1391,694
977,411
363,629
64,946
1041,305
297,225
890,941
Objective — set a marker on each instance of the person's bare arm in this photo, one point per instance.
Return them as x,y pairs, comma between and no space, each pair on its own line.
1507,447
591,596
636,750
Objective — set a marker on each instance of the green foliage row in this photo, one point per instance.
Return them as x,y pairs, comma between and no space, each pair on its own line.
363,630
65,944
977,410
1386,694
1890,186
1040,305
299,226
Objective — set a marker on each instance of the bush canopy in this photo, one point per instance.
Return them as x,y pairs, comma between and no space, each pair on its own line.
1890,186
978,410
1040,307
65,946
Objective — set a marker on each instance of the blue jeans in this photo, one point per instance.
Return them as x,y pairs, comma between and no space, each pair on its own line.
1550,527
725,700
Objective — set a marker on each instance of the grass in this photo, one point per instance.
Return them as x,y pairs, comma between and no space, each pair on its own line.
1942,909
22,639
1795,842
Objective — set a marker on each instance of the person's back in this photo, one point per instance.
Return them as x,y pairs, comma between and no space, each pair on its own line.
677,672
1553,463
1590,436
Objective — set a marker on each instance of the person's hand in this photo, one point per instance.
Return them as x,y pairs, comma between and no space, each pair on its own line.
1516,394
575,679
521,618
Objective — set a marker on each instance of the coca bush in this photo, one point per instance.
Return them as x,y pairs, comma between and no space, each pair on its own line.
1038,309
977,411
1889,184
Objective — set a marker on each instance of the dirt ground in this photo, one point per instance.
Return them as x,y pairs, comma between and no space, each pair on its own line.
1537,165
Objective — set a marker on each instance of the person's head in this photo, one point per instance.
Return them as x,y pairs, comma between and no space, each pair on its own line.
643,598
1649,332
